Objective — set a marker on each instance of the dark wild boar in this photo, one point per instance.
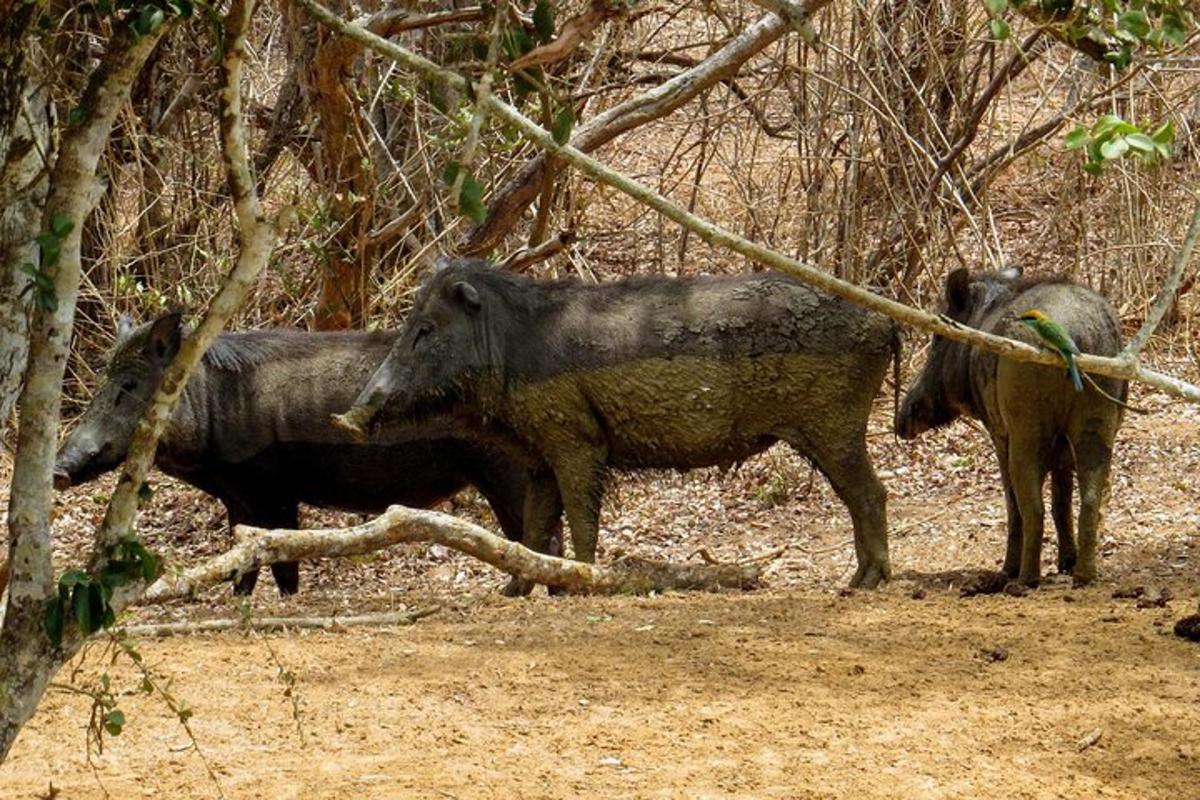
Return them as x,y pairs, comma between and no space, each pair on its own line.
647,373
1039,424
252,429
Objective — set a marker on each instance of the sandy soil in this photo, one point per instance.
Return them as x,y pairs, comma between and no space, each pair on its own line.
799,690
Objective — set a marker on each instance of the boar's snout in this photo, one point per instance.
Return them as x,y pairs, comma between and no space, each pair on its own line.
910,421
62,481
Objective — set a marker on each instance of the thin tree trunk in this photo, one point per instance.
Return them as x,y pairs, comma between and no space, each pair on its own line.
24,142
29,658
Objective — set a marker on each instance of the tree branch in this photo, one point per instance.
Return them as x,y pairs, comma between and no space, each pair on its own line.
258,547
514,197
1126,369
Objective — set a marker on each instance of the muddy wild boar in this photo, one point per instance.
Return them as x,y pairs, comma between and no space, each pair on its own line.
646,373
1039,424
252,429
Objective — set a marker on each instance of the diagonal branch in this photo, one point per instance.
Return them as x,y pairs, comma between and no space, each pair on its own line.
1127,369
515,196
1166,295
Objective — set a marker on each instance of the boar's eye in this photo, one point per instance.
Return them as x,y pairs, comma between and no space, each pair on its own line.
423,330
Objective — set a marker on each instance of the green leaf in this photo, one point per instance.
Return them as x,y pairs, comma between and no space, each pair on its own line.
1111,124
76,117
54,621
149,566
450,173
148,20
999,29
564,120
104,7
543,19
114,721
470,200
1164,134
73,577
1076,138
82,604
1093,168
1114,148
61,225
1134,21
1141,143
995,7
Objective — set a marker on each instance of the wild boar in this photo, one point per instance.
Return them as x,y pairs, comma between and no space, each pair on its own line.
1037,421
252,429
647,373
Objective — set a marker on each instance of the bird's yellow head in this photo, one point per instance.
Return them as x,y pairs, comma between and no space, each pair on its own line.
1033,315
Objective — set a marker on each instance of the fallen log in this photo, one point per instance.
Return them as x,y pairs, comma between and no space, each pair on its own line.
258,547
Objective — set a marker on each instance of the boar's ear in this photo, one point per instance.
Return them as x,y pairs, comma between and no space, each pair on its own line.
958,291
166,332
124,328
466,295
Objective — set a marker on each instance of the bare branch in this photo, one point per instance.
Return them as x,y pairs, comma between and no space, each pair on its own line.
1126,369
525,257
574,32
393,21
515,196
798,16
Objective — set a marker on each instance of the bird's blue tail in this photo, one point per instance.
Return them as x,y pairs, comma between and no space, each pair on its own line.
1073,371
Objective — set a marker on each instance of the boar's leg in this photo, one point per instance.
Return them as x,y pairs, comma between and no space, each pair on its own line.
542,517
1012,552
580,476
1062,485
1027,475
286,573
847,467
1093,454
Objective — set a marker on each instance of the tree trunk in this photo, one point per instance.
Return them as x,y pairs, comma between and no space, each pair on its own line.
29,657
325,69
24,142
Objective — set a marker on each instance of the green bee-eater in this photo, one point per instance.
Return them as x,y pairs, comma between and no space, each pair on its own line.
1057,337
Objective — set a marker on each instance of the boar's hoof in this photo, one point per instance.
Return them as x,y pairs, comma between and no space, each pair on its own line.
1083,578
243,585
517,587
1017,589
1189,628
869,576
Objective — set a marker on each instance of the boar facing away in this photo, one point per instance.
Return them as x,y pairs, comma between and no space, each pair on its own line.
252,429
1039,424
646,373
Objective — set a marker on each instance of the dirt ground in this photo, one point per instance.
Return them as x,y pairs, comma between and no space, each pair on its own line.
799,690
